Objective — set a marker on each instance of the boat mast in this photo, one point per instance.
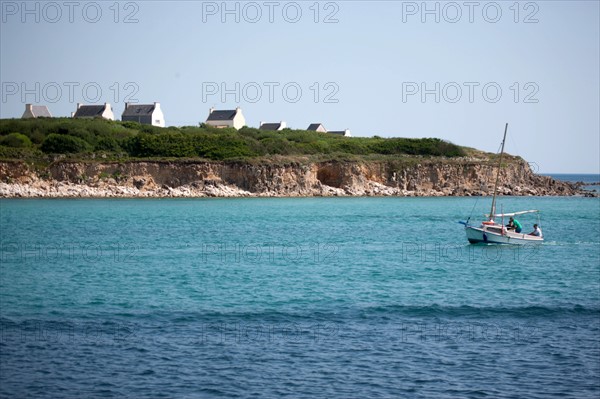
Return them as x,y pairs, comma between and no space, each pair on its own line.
493,211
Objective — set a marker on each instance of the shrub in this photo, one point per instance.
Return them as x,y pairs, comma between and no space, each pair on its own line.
17,153
300,136
16,140
86,135
275,146
37,136
163,145
107,144
82,135
220,147
132,125
64,144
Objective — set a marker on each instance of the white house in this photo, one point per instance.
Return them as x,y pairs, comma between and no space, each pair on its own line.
273,126
226,118
94,111
36,111
147,114
345,133
317,127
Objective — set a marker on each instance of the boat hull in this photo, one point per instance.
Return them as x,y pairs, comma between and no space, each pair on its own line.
477,235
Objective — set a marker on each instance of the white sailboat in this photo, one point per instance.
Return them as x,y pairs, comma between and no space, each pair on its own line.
492,232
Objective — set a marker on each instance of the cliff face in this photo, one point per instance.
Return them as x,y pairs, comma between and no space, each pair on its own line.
201,179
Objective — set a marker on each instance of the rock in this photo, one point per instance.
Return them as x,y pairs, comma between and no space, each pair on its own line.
463,177
139,182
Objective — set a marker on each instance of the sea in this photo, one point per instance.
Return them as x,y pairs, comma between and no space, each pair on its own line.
297,298
591,181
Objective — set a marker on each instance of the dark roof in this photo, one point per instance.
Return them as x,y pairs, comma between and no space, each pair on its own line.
138,109
340,132
40,111
89,110
270,126
226,115
314,126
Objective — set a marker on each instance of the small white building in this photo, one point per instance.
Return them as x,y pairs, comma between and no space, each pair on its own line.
345,133
226,118
36,111
94,111
272,126
317,127
146,114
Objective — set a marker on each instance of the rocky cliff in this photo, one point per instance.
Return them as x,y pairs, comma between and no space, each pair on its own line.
412,177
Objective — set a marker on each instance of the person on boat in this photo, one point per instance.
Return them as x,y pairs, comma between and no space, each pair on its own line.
536,231
514,224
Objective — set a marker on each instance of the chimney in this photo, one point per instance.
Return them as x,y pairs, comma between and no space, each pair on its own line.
28,107
260,124
156,104
283,125
126,105
210,110
78,105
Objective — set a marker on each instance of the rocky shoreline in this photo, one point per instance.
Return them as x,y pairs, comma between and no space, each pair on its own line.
197,179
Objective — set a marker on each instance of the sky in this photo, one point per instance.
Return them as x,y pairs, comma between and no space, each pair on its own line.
454,70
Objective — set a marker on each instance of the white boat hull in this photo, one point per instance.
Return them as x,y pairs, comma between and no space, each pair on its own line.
477,235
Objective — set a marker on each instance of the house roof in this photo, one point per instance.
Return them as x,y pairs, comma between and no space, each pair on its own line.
224,115
315,126
40,111
90,110
270,126
138,109
340,132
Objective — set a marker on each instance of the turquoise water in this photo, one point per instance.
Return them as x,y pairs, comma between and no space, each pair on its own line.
308,297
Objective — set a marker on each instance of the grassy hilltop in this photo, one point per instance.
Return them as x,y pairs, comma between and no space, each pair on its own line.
86,139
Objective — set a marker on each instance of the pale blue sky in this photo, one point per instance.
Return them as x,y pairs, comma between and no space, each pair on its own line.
373,56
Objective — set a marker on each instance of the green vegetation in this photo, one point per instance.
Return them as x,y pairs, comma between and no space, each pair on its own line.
15,140
64,144
87,139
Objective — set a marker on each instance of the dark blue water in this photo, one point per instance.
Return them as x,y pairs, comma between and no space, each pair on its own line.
300,298
576,177
591,180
